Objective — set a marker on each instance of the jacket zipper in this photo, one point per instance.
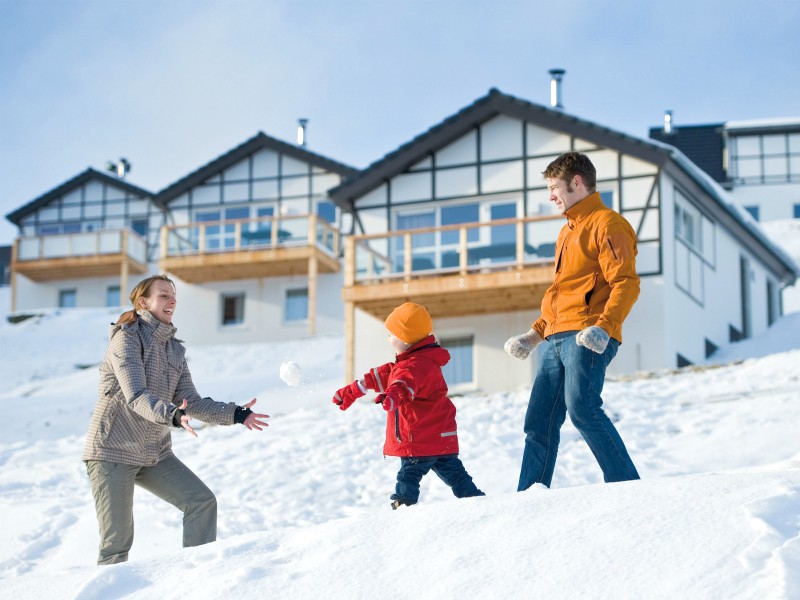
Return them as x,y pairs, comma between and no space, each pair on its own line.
397,424
614,252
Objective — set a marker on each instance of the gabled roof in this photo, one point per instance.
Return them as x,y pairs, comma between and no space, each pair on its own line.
480,111
66,187
496,103
258,142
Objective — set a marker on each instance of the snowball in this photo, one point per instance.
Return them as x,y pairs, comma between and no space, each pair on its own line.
290,373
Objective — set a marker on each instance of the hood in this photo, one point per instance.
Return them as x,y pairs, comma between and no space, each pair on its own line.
427,348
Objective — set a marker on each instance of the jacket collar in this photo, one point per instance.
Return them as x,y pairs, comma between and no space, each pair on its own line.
578,212
157,329
424,343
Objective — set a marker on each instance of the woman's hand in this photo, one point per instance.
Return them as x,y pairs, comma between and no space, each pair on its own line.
253,420
185,424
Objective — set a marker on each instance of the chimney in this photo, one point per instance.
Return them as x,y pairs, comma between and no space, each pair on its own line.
301,131
556,75
667,121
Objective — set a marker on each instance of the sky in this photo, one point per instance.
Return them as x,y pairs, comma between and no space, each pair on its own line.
172,85
304,505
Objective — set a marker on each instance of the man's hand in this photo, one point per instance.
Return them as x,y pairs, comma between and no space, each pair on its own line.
521,346
594,338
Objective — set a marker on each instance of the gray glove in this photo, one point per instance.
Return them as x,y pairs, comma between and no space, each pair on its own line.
521,346
594,338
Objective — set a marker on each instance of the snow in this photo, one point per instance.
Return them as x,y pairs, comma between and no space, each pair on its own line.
291,373
786,233
304,506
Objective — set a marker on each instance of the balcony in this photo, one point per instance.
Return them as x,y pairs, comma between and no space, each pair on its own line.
455,270
250,248
80,255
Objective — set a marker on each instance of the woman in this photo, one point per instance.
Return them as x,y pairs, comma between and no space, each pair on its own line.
145,390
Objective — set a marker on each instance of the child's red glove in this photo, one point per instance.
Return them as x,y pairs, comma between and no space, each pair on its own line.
395,396
378,378
347,395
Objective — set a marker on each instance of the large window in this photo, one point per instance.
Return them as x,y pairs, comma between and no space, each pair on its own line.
459,370
764,158
296,306
221,237
433,250
232,309
694,247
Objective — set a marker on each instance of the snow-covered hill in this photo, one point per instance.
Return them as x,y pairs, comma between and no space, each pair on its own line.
304,510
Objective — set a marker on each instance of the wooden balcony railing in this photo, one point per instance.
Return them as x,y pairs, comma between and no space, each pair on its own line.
103,253
454,270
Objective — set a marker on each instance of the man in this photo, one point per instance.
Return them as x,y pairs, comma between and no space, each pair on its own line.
580,328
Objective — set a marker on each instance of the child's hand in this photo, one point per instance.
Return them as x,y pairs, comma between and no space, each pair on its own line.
347,395
386,401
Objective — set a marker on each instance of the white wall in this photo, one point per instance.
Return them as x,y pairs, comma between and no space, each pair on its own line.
493,368
91,292
776,201
198,316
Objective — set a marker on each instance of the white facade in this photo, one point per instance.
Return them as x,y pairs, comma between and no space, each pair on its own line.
763,165
702,285
232,207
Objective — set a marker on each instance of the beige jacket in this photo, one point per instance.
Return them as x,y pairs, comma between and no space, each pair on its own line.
143,373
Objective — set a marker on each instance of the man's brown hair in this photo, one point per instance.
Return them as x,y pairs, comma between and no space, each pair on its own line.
570,164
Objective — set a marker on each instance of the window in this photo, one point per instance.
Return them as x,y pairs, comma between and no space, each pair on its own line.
455,215
140,227
296,307
67,298
459,369
113,296
753,210
796,209
764,158
219,237
773,302
327,210
232,309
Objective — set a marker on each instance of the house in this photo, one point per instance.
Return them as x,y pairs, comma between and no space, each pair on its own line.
253,244
82,243
459,219
757,161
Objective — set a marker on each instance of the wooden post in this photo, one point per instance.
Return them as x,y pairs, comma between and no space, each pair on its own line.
462,250
349,261
14,255
164,239
312,291
520,243
123,275
407,264
349,341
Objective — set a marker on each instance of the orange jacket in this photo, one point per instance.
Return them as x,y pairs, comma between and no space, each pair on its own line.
596,281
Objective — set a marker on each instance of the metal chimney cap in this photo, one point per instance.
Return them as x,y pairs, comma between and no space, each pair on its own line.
301,131
557,72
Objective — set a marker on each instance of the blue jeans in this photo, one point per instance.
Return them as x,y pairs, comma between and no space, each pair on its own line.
570,379
449,469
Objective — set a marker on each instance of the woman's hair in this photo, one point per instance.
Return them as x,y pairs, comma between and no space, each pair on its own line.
570,164
142,290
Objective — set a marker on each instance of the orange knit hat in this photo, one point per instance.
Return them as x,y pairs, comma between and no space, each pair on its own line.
409,322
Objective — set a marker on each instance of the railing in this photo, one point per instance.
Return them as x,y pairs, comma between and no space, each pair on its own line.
249,234
462,248
72,245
